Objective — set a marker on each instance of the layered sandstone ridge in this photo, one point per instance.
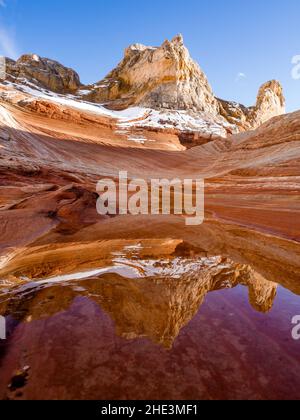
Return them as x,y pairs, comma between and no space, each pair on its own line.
163,79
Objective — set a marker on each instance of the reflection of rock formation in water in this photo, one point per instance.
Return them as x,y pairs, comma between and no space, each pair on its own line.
157,306
262,293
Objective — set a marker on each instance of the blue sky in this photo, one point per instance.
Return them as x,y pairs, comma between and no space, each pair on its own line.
240,44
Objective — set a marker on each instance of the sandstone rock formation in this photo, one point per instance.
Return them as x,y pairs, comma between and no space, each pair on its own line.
54,148
43,72
270,103
163,77
168,78
51,158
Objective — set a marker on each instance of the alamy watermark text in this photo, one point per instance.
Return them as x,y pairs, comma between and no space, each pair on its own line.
157,196
296,329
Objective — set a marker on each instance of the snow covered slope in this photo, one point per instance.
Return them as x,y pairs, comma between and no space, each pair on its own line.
131,118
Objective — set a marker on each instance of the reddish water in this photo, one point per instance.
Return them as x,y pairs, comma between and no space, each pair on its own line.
66,346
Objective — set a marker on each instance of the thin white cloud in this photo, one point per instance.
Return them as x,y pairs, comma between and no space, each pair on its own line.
240,76
8,45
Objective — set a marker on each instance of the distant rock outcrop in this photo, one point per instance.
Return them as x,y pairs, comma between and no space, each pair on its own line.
46,73
270,103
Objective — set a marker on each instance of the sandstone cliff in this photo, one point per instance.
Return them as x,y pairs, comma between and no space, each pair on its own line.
166,77
270,103
163,79
43,72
